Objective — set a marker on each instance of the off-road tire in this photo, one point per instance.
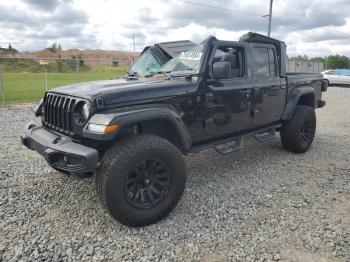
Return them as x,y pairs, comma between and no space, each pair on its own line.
298,133
114,171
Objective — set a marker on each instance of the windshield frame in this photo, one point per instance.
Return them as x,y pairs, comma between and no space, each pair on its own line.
207,44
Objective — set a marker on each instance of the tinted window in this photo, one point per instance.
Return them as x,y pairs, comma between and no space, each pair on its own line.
261,62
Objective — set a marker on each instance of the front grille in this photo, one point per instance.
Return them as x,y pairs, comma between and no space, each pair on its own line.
58,113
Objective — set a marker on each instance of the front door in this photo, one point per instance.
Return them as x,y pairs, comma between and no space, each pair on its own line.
227,102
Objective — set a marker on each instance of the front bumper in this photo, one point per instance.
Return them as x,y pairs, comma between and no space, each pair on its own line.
59,151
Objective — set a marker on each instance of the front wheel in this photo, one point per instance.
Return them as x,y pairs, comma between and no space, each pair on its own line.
141,179
298,133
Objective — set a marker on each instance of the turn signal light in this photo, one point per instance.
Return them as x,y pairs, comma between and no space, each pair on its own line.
103,128
111,128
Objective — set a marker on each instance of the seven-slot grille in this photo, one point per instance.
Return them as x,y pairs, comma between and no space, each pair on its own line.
58,112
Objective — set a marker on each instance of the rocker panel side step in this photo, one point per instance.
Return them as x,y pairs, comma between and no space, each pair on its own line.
271,134
227,148
235,142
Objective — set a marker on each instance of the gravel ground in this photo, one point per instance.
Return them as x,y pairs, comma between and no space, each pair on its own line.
261,203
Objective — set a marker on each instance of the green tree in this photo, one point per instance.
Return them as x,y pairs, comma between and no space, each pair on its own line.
319,59
300,58
53,48
337,61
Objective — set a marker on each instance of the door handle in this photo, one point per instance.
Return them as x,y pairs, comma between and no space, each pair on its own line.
246,93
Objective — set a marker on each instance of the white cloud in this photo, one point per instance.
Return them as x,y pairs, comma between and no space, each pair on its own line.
317,27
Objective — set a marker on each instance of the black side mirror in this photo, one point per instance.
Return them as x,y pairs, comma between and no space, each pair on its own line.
221,70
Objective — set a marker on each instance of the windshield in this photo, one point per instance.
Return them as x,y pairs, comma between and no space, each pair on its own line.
145,65
186,62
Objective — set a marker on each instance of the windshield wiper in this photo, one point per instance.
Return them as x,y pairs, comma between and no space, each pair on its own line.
159,73
184,73
164,73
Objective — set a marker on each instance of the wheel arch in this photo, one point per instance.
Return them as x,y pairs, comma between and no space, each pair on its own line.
159,120
163,127
298,96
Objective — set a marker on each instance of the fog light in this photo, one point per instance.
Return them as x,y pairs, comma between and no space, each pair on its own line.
66,161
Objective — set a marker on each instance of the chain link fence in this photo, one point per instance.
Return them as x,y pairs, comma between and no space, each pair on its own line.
25,79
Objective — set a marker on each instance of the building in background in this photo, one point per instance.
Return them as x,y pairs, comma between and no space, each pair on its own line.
305,66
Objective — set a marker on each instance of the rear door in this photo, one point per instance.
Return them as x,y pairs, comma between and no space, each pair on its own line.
268,91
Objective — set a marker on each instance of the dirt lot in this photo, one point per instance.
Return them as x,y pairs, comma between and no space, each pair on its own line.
261,203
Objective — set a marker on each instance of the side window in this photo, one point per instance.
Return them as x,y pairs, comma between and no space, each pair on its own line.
261,62
264,62
235,56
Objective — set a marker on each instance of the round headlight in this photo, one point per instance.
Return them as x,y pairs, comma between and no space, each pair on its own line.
86,111
81,113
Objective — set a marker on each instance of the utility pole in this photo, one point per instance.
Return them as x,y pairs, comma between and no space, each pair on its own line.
270,18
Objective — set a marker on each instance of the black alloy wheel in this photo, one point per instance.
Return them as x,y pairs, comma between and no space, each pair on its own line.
297,133
307,131
148,183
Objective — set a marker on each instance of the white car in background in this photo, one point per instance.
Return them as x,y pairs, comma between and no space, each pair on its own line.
337,76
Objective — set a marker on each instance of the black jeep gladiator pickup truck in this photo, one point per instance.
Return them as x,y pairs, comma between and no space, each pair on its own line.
131,133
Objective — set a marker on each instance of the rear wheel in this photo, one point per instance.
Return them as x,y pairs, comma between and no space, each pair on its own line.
297,134
140,180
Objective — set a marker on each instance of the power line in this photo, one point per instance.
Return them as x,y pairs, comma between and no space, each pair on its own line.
315,16
220,8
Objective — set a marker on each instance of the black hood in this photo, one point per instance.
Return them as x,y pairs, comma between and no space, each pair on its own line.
124,90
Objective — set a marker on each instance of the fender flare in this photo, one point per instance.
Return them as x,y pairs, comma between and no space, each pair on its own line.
130,115
293,99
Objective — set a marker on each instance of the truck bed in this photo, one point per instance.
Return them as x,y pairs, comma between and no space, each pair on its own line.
307,80
293,77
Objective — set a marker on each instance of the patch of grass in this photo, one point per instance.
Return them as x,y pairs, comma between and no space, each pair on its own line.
25,87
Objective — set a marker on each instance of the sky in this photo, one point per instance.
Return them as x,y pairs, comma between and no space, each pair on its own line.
309,27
